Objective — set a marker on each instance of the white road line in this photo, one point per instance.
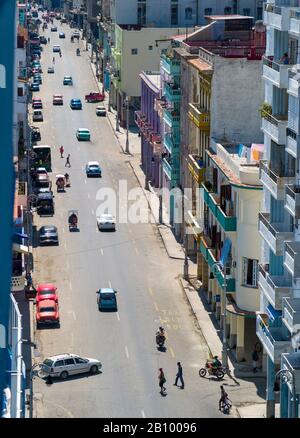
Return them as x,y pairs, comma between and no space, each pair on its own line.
93,212
143,413
85,181
63,230
156,306
150,291
109,284
118,316
74,316
70,285
101,250
89,196
126,352
136,250
172,352
68,264
65,245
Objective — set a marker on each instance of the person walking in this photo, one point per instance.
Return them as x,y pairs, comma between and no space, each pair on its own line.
68,161
179,375
161,381
61,150
224,400
53,60
255,359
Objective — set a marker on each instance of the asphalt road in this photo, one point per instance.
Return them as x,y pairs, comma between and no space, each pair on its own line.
132,260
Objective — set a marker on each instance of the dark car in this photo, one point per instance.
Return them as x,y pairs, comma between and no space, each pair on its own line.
35,86
62,35
106,299
76,104
45,204
43,39
37,77
53,29
48,235
35,134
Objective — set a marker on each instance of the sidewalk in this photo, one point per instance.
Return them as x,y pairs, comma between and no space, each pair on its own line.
248,401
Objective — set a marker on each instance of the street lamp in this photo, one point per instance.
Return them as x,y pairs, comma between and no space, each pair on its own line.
222,267
127,100
288,376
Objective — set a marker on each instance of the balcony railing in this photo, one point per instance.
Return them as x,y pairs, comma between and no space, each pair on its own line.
292,145
292,200
172,92
276,16
204,246
274,233
170,65
273,339
195,169
170,144
276,72
199,116
230,281
17,283
292,258
171,172
275,288
172,118
272,181
227,222
291,314
275,127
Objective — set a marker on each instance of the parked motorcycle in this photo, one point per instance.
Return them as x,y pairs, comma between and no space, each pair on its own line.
160,340
218,372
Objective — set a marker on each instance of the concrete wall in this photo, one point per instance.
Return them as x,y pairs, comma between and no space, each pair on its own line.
237,93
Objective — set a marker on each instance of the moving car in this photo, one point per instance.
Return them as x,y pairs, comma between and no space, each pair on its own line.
47,313
37,103
64,365
37,116
94,96
46,291
68,80
53,29
63,20
106,222
106,299
48,235
101,111
35,134
50,69
93,169
62,35
83,134
75,34
76,104
57,99
45,204
56,48
34,86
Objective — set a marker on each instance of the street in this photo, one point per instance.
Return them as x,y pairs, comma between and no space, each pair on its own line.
132,260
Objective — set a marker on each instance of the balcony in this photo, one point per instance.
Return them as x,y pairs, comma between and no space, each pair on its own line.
292,257
292,146
199,116
276,72
172,92
291,362
18,277
228,223
293,86
274,287
272,181
292,200
225,219
273,339
275,127
170,65
170,144
275,233
194,225
230,281
276,16
291,314
196,171
172,118
205,244
295,23
171,172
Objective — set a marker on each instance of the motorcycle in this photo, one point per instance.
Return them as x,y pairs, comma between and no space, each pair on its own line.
160,340
218,372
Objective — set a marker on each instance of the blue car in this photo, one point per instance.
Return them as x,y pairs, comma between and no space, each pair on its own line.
76,104
35,86
106,299
93,169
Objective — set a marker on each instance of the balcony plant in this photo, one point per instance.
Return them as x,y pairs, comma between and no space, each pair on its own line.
265,110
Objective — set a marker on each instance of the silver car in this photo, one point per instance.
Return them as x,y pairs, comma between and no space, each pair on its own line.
65,365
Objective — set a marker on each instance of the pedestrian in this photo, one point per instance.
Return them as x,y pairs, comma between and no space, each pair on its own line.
49,380
223,398
179,375
53,60
161,381
61,150
68,161
255,358
285,59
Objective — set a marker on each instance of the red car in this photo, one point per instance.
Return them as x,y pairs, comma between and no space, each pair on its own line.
47,313
36,70
95,97
46,291
37,103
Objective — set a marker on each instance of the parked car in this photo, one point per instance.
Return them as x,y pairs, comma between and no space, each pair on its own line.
62,35
53,29
93,169
43,39
35,134
83,134
50,69
56,48
106,222
94,96
37,116
48,235
106,299
64,365
36,70
37,103
68,80
46,291
57,99
47,313
101,111
34,86
37,77
76,104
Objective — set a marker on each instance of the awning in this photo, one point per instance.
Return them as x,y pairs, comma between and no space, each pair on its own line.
273,313
22,235
233,308
22,248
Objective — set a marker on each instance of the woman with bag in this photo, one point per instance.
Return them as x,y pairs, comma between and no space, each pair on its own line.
161,381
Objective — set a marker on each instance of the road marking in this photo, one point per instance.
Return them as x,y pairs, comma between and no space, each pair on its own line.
150,291
70,285
101,250
136,250
85,181
156,306
65,245
143,413
126,352
74,316
109,284
68,264
63,230
89,196
93,212
172,352
118,316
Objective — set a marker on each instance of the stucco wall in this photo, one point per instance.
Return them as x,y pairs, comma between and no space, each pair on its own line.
237,93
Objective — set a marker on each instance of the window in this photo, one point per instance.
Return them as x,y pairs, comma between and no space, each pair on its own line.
163,51
174,15
188,13
250,272
69,361
134,51
59,363
259,13
80,360
141,14
246,11
227,10
150,47
208,11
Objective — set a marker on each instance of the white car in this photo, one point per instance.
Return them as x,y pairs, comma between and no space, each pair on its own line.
56,48
37,116
50,69
101,111
106,222
64,365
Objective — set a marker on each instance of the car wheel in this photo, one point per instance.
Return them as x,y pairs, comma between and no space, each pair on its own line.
64,375
94,369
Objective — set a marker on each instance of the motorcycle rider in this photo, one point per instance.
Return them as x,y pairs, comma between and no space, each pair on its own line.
160,334
216,363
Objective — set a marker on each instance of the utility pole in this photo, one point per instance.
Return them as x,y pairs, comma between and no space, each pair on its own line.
127,100
186,261
160,212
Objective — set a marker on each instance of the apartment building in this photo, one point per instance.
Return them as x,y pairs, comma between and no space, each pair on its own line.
278,324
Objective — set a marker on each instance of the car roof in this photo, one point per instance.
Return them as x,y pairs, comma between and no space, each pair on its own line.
46,286
46,195
106,290
83,129
46,303
57,95
76,98
93,163
49,227
67,77
62,356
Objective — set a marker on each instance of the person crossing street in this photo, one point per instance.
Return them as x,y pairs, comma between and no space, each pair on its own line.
61,150
68,161
179,375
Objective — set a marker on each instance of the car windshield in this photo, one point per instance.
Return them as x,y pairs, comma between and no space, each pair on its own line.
48,362
93,166
107,296
47,309
106,217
